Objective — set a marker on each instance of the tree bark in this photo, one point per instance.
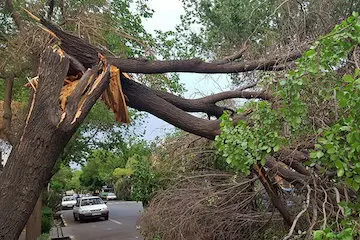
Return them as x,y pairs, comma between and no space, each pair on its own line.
87,55
274,197
33,226
30,164
145,99
6,128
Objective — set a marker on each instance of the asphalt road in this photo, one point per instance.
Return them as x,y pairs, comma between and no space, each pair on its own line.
120,226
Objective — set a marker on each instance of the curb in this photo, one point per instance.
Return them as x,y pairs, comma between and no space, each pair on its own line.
63,224
63,220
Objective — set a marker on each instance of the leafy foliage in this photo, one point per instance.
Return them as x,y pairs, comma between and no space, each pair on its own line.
98,170
263,132
244,145
46,219
216,28
60,181
292,115
143,180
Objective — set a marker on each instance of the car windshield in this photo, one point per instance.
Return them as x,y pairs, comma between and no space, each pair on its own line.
111,194
68,199
91,201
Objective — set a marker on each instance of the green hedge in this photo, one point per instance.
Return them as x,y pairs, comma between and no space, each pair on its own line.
46,219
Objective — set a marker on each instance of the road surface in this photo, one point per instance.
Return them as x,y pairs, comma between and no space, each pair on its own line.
120,226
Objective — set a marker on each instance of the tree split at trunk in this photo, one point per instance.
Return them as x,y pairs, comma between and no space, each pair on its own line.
51,124
45,135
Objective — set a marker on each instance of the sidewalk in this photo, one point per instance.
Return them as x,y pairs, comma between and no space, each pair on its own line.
56,232
59,233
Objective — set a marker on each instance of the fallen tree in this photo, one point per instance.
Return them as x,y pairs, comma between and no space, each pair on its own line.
43,139
47,129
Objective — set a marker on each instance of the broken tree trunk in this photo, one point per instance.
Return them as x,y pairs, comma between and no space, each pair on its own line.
45,135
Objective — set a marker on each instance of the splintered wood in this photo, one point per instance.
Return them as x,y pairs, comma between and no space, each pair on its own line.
114,97
66,92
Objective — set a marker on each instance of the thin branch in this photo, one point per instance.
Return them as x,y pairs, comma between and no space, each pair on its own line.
234,56
315,214
208,104
324,210
198,66
306,206
337,194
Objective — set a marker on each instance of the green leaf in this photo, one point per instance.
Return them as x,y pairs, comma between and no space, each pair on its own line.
318,234
340,172
313,155
276,148
319,154
356,73
283,82
348,78
331,150
263,161
345,128
357,178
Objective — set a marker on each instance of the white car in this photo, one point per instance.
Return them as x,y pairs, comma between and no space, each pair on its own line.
110,196
90,207
68,202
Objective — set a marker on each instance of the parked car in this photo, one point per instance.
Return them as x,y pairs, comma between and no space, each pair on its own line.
90,207
110,196
103,195
68,202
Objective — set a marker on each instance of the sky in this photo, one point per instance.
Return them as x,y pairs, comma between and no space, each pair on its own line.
165,18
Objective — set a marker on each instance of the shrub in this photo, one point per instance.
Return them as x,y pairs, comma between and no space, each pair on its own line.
52,199
46,219
123,189
44,236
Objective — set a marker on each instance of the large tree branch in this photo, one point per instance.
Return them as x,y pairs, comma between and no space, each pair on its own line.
134,65
87,55
143,98
286,173
208,104
274,196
